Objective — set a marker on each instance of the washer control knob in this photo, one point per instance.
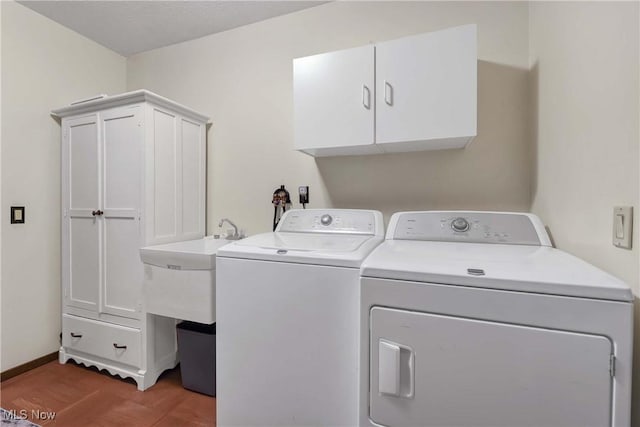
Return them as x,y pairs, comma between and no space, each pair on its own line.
326,219
460,224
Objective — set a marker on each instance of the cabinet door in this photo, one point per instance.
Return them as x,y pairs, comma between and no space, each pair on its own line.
122,136
426,90
81,230
334,102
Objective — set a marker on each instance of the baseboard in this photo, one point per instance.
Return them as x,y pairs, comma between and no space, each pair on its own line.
10,373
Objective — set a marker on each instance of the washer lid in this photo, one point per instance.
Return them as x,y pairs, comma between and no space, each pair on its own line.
197,254
306,242
538,269
333,237
342,250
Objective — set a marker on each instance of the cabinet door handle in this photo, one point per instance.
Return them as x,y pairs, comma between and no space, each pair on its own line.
97,213
388,93
366,97
76,335
115,345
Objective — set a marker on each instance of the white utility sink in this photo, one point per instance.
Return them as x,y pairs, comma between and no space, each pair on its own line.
180,279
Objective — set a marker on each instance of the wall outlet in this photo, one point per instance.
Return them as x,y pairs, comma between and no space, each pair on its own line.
303,193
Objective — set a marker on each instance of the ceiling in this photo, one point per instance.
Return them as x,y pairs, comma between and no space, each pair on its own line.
130,27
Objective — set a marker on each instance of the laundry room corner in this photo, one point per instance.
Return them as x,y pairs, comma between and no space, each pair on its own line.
585,129
48,66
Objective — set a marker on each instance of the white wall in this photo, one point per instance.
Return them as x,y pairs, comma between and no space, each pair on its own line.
44,66
242,78
585,120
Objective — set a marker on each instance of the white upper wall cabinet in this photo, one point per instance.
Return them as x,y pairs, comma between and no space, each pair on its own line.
425,96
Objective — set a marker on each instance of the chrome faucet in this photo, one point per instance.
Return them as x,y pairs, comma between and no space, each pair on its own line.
236,235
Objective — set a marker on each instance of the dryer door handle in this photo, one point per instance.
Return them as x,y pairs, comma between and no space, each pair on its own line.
395,369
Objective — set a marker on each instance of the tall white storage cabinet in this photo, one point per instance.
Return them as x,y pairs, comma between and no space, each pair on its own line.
410,94
133,175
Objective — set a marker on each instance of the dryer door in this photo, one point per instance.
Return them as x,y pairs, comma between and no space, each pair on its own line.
435,370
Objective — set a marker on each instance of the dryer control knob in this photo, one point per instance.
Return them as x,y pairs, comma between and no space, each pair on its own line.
326,219
460,224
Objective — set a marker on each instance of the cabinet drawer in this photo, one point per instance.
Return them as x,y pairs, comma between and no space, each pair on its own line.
100,339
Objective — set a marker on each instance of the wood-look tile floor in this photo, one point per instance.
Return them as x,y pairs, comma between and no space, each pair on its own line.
81,396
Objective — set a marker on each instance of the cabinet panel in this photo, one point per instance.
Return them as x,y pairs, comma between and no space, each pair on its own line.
82,140
83,263
80,197
122,135
123,272
192,177
426,90
334,101
165,178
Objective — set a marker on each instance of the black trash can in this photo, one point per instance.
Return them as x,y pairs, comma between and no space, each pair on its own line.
197,350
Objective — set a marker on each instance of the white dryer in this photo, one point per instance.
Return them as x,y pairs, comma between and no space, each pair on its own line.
287,311
473,319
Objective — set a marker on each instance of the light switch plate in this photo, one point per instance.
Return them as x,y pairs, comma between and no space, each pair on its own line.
622,226
17,214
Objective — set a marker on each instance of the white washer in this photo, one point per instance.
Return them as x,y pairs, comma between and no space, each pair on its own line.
288,320
473,319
